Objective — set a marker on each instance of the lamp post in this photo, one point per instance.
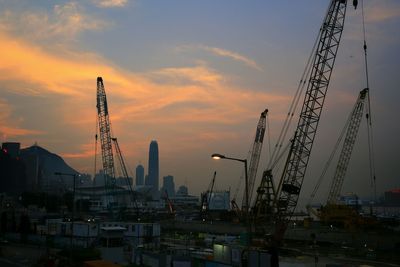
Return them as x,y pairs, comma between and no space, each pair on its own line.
246,190
73,202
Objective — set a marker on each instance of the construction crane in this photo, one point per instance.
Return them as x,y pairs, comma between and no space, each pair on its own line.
333,213
105,139
320,71
255,157
206,197
344,158
254,161
263,206
107,151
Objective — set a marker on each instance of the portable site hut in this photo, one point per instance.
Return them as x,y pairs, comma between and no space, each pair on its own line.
111,240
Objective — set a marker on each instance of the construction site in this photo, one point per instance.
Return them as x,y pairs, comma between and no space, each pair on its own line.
257,223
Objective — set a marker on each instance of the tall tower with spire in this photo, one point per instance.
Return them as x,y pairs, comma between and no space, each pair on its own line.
153,173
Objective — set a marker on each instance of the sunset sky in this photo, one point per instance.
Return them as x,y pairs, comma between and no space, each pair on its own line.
195,76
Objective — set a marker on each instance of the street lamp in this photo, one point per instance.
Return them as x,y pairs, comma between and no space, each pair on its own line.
73,201
217,156
220,156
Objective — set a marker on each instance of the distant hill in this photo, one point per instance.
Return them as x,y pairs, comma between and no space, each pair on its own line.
47,164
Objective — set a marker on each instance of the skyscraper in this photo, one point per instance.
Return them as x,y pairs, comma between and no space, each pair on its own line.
169,185
139,175
154,168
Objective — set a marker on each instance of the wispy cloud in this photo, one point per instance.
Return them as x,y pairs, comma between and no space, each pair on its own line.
224,53
380,11
85,151
236,56
12,132
199,74
110,3
64,22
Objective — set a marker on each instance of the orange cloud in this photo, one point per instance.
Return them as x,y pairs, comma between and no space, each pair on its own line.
382,11
54,74
9,132
110,3
158,104
86,151
9,127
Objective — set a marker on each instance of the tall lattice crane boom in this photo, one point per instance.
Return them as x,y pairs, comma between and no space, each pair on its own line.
299,154
105,137
206,196
255,156
347,149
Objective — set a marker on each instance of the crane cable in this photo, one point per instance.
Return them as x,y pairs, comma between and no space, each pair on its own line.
365,44
333,153
95,155
368,115
369,128
294,104
269,138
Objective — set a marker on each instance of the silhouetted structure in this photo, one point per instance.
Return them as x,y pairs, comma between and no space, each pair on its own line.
153,169
12,170
12,148
183,191
392,197
139,175
169,185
